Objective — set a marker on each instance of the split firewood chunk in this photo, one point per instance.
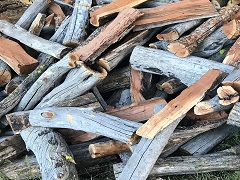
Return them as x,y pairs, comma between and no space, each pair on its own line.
227,95
233,55
179,106
114,7
175,13
232,29
14,55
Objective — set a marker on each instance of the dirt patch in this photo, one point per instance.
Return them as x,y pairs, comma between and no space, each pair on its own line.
11,10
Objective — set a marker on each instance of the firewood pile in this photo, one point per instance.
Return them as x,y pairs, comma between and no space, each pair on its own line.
125,83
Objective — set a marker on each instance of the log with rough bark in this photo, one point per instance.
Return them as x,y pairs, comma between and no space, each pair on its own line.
77,82
112,8
5,73
174,32
107,148
118,28
79,119
232,29
117,79
37,24
46,143
13,84
178,107
76,32
227,95
114,56
45,61
172,86
204,142
38,6
221,161
187,44
15,56
233,118
233,55
187,70
174,13
137,111
52,48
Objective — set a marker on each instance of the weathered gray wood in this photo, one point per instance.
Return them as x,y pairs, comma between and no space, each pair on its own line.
86,120
5,73
13,84
117,79
221,54
52,48
38,6
3,94
46,143
209,106
45,61
211,44
76,32
233,118
37,24
174,32
120,98
114,56
162,62
99,97
204,142
78,81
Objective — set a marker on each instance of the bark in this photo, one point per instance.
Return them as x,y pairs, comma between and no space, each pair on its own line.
52,48
233,55
162,62
5,73
233,118
38,6
187,44
111,34
172,86
37,24
13,84
19,60
174,13
76,32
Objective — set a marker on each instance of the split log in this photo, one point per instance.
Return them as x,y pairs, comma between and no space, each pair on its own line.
5,73
52,48
192,164
13,84
204,142
38,6
227,95
45,61
172,86
114,56
78,81
174,13
14,55
117,79
107,148
174,32
114,7
78,119
120,98
137,111
232,57
111,34
76,32
232,29
37,24
57,10
211,44
178,107
187,44
162,62
10,148
233,118
210,106
46,143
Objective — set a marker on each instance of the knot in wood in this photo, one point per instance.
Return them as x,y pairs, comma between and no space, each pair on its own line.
47,114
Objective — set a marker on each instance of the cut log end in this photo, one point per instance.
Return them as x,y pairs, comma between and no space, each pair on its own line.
71,43
103,63
172,35
203,108
178,49
227,95
94,20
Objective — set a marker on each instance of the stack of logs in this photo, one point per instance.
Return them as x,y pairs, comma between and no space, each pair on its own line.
118,86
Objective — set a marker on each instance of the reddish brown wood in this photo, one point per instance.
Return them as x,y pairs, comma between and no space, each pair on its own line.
57,10
14,55
232,29
233,55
